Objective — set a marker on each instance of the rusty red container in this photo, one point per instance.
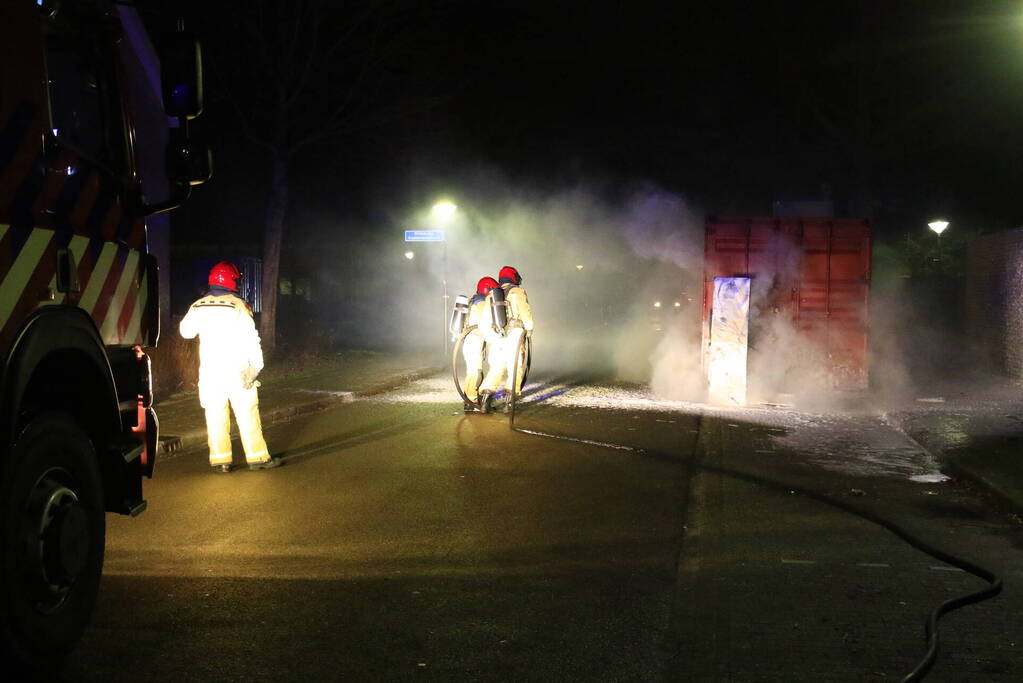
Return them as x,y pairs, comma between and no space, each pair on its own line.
813,272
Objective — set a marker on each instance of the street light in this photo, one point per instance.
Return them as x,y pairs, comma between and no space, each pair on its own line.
938,226
444,209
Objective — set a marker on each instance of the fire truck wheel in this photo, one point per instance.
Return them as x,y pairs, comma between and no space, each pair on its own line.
52,529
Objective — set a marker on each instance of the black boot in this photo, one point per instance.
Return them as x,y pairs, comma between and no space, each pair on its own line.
485,398
266,464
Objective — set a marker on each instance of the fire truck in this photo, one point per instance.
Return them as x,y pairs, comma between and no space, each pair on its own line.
84,102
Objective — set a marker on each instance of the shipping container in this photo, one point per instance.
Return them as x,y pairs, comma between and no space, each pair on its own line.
810,289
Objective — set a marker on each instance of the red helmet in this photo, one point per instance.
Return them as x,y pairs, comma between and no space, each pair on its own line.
225,274
509,274
486,284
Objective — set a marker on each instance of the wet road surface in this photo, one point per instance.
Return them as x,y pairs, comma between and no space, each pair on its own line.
404,539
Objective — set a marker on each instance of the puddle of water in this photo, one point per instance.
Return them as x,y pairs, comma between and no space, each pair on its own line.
930,478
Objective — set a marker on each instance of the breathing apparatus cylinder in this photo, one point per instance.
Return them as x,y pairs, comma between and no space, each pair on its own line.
498,310
458,315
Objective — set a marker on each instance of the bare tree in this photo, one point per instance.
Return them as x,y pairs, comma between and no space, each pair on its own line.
302,73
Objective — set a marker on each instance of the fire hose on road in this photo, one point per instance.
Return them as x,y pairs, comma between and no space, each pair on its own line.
456,354
918,673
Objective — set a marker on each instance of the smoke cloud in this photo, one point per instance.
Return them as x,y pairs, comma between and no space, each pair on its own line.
615,279
614,283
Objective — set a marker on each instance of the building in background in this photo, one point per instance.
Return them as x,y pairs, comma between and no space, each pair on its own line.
994,301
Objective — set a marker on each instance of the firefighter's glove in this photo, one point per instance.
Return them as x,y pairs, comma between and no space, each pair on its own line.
249,375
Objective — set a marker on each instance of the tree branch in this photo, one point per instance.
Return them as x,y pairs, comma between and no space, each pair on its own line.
302,81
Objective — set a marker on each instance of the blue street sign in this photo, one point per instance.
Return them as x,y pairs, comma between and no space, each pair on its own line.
424,235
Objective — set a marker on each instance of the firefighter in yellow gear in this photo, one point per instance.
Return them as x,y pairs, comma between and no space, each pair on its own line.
475,343
501,352
230,358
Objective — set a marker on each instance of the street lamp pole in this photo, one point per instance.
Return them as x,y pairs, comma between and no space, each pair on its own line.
442,211
938,226
444,279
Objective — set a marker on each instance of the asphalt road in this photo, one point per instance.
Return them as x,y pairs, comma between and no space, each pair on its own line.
405,540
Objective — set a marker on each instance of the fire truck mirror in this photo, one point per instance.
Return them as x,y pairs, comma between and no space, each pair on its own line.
181,76
189,162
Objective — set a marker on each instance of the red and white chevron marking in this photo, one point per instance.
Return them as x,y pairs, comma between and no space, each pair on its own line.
113,284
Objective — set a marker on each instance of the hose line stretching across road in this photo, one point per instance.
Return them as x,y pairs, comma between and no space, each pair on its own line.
918,673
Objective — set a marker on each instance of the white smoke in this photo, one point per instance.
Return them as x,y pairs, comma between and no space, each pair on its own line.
595,262
593,268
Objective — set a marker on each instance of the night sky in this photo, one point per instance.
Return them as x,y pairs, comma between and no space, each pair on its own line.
898,111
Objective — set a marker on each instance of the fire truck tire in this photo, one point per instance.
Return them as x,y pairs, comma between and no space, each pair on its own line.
52,530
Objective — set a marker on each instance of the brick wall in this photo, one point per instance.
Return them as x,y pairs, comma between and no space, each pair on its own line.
994,301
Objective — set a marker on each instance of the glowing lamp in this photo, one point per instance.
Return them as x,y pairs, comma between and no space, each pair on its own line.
938,226
657,304
410,255
443,210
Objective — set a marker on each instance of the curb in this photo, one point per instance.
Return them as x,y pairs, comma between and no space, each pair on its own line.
170,445
894,422
967,468
983,479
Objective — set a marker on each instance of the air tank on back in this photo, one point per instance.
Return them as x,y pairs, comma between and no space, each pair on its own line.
498,310
458,315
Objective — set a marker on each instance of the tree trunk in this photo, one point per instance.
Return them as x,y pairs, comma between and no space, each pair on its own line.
276,206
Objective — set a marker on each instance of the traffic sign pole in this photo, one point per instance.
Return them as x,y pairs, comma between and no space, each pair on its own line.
436,236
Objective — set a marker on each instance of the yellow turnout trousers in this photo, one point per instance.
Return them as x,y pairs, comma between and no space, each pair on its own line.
245,404
472,352
501,358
